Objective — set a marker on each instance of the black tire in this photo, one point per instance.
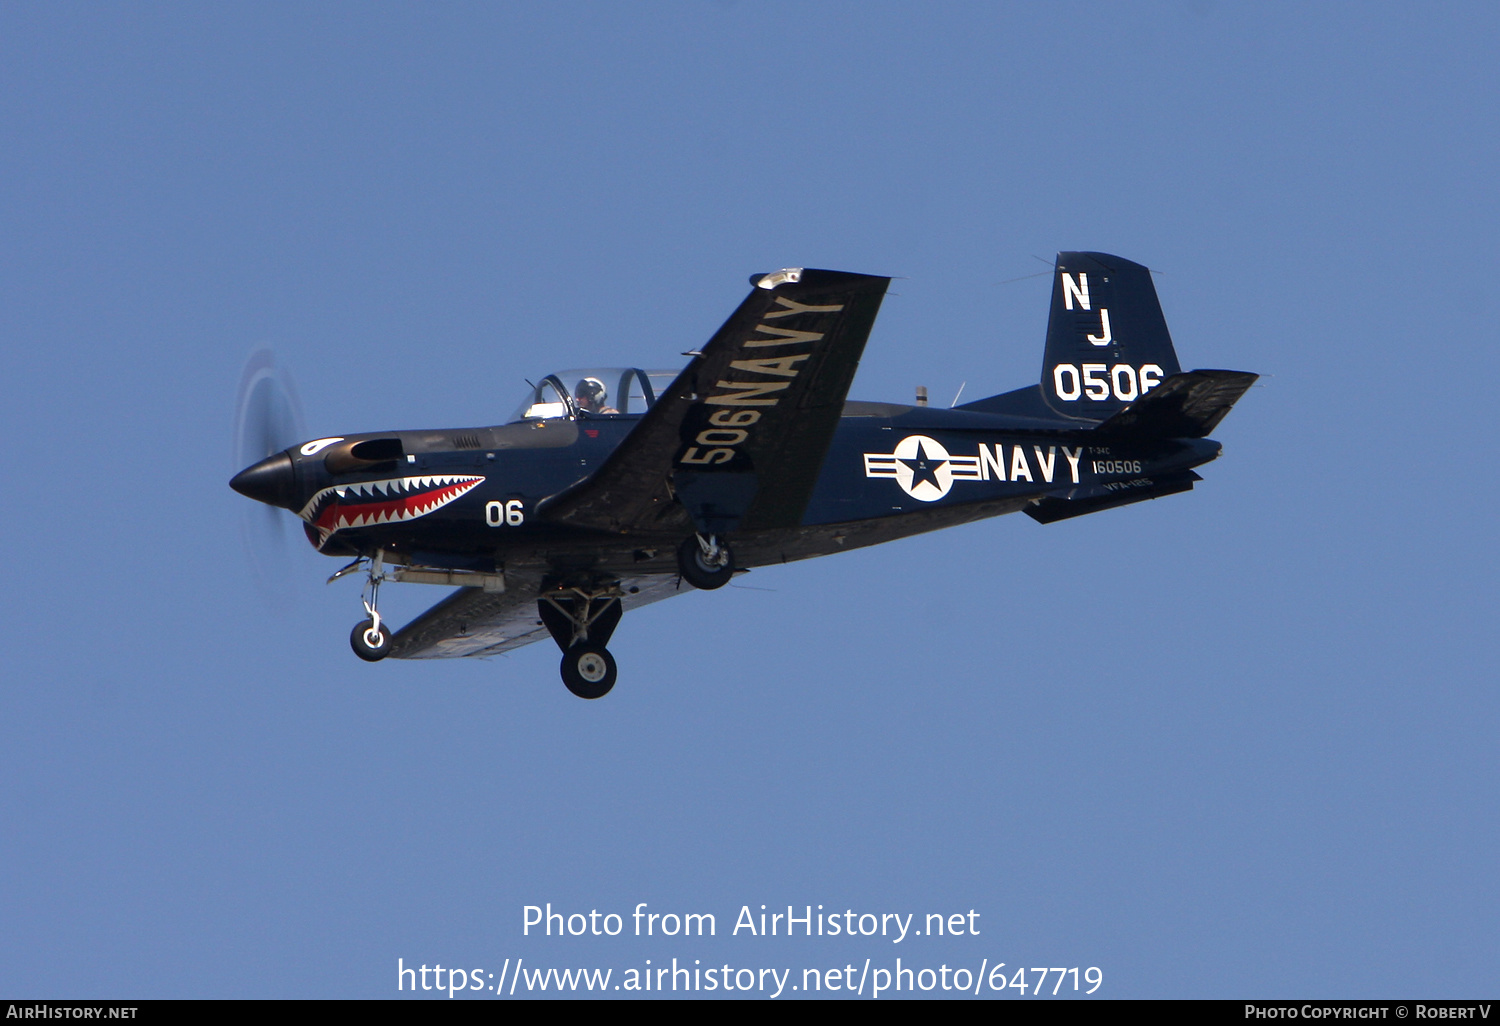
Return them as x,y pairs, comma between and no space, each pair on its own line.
588,670
699,572
362,648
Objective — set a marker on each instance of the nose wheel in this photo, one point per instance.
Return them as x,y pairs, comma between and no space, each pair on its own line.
371,640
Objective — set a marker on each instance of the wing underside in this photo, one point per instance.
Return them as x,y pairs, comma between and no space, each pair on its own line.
474,622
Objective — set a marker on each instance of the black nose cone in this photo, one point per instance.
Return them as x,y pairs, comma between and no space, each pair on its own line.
271,481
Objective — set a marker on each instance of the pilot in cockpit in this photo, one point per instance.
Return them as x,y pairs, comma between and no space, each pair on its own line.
592,398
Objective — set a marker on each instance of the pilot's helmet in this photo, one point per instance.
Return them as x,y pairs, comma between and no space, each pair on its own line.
591,392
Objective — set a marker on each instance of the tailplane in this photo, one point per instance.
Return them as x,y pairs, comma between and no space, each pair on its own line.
1184,406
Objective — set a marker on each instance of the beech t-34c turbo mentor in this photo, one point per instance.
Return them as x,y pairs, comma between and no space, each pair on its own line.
609,488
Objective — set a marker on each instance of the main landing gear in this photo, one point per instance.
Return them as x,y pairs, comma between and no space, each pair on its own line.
588,670
705,562
370,638
581,621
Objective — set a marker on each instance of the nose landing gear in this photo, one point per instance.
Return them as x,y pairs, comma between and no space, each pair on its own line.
370,639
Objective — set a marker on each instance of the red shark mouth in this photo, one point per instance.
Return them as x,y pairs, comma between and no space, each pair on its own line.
369,503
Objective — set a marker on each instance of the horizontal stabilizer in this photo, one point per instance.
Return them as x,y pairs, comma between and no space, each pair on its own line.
1080,501
1186,405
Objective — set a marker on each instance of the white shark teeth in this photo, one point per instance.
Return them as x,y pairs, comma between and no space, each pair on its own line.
396,488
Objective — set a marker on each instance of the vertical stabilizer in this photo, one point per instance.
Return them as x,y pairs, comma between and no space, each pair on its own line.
1107,341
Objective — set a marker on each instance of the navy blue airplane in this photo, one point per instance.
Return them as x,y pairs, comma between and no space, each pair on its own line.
609,488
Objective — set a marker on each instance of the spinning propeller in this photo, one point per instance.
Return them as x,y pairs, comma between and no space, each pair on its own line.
267,420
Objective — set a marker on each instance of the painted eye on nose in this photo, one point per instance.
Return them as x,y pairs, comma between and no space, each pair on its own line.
313,448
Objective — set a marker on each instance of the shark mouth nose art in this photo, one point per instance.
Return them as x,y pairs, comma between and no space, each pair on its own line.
383,502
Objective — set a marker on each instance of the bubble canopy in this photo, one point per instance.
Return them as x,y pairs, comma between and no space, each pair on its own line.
593,392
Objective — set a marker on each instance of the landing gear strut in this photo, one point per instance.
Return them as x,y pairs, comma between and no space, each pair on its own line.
581,621
370,639
705,562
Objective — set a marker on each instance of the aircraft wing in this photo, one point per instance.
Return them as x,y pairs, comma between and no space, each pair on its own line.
738,439
475,622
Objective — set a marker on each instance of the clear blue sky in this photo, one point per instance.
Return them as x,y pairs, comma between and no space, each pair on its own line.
1237,742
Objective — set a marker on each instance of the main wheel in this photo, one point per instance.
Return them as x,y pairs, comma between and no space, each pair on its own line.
369,644
588,670
698,571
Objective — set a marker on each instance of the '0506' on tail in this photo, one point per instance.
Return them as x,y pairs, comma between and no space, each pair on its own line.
1107,341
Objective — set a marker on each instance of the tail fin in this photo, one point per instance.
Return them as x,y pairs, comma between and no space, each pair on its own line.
1107,341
